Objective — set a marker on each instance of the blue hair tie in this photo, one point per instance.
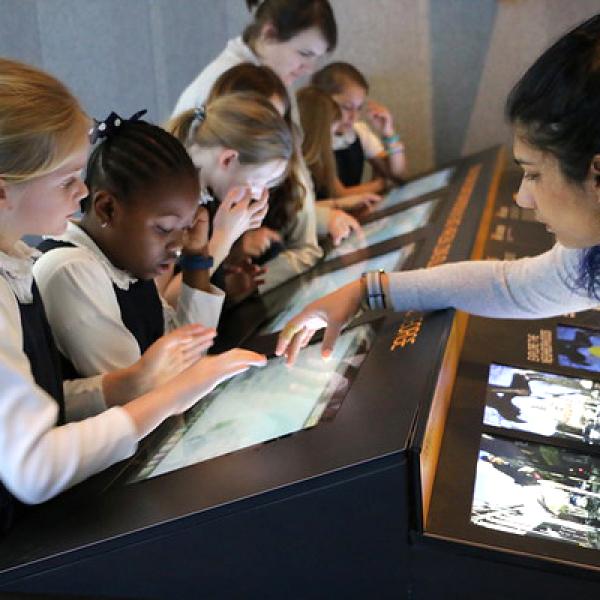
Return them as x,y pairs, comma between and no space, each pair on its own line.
200,113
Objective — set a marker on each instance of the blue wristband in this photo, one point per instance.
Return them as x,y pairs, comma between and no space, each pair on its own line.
196,262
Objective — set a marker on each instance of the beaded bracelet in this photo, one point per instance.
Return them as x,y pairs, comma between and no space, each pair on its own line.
395,149
391,139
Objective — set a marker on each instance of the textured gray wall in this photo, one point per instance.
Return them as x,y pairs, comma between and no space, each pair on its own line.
522,30
459,45
388,40
444,67
119,54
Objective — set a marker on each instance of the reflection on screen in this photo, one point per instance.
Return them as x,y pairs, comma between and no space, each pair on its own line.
543,403
387,228
418,187
329,282
263,404
539,491
578,348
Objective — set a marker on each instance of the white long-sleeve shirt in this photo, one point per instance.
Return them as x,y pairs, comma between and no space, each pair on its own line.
529,288
302,249
37,459
76,284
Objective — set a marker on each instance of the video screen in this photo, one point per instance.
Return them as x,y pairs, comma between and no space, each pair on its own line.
543,403
418,187
387,228
322,285
264,404
578,348
538,491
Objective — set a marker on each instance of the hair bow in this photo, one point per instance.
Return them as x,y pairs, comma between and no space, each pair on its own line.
107,128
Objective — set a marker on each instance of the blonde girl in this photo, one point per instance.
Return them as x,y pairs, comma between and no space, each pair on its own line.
43,148
238,140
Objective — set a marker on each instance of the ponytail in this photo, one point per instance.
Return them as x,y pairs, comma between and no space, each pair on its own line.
244,122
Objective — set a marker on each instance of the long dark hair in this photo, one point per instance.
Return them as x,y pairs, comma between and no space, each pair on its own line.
556,104
291,17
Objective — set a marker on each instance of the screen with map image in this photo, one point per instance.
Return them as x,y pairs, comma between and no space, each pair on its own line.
387,228
537,491
263,404
543,403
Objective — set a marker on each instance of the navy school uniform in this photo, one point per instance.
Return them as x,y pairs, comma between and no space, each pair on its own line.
350,163
140,305
39,346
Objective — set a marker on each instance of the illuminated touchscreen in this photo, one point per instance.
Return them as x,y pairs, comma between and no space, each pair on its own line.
578,348
264,404
538,491
543,403
418,187
329,282
387,228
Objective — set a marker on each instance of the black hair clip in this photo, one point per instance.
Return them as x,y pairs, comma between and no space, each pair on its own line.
104,129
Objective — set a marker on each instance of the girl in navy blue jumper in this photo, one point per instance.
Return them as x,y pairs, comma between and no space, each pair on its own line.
43,147
141,214
355,142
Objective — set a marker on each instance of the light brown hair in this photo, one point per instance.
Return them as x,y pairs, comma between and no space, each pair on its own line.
334,77
41,122
318,112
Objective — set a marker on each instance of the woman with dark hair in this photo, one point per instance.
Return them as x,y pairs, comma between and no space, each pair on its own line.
555,112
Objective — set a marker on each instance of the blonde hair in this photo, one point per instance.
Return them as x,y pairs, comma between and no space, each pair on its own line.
318,112
41,122
245,122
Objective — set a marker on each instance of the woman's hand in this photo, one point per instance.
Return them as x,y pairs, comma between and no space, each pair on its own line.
341,225
379,118
332,311
171,354
258,241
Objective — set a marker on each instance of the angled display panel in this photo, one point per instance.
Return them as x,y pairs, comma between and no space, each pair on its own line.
264,404
578,348
387,228
537,491
545,404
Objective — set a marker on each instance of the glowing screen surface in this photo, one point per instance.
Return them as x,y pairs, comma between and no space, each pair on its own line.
264,404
